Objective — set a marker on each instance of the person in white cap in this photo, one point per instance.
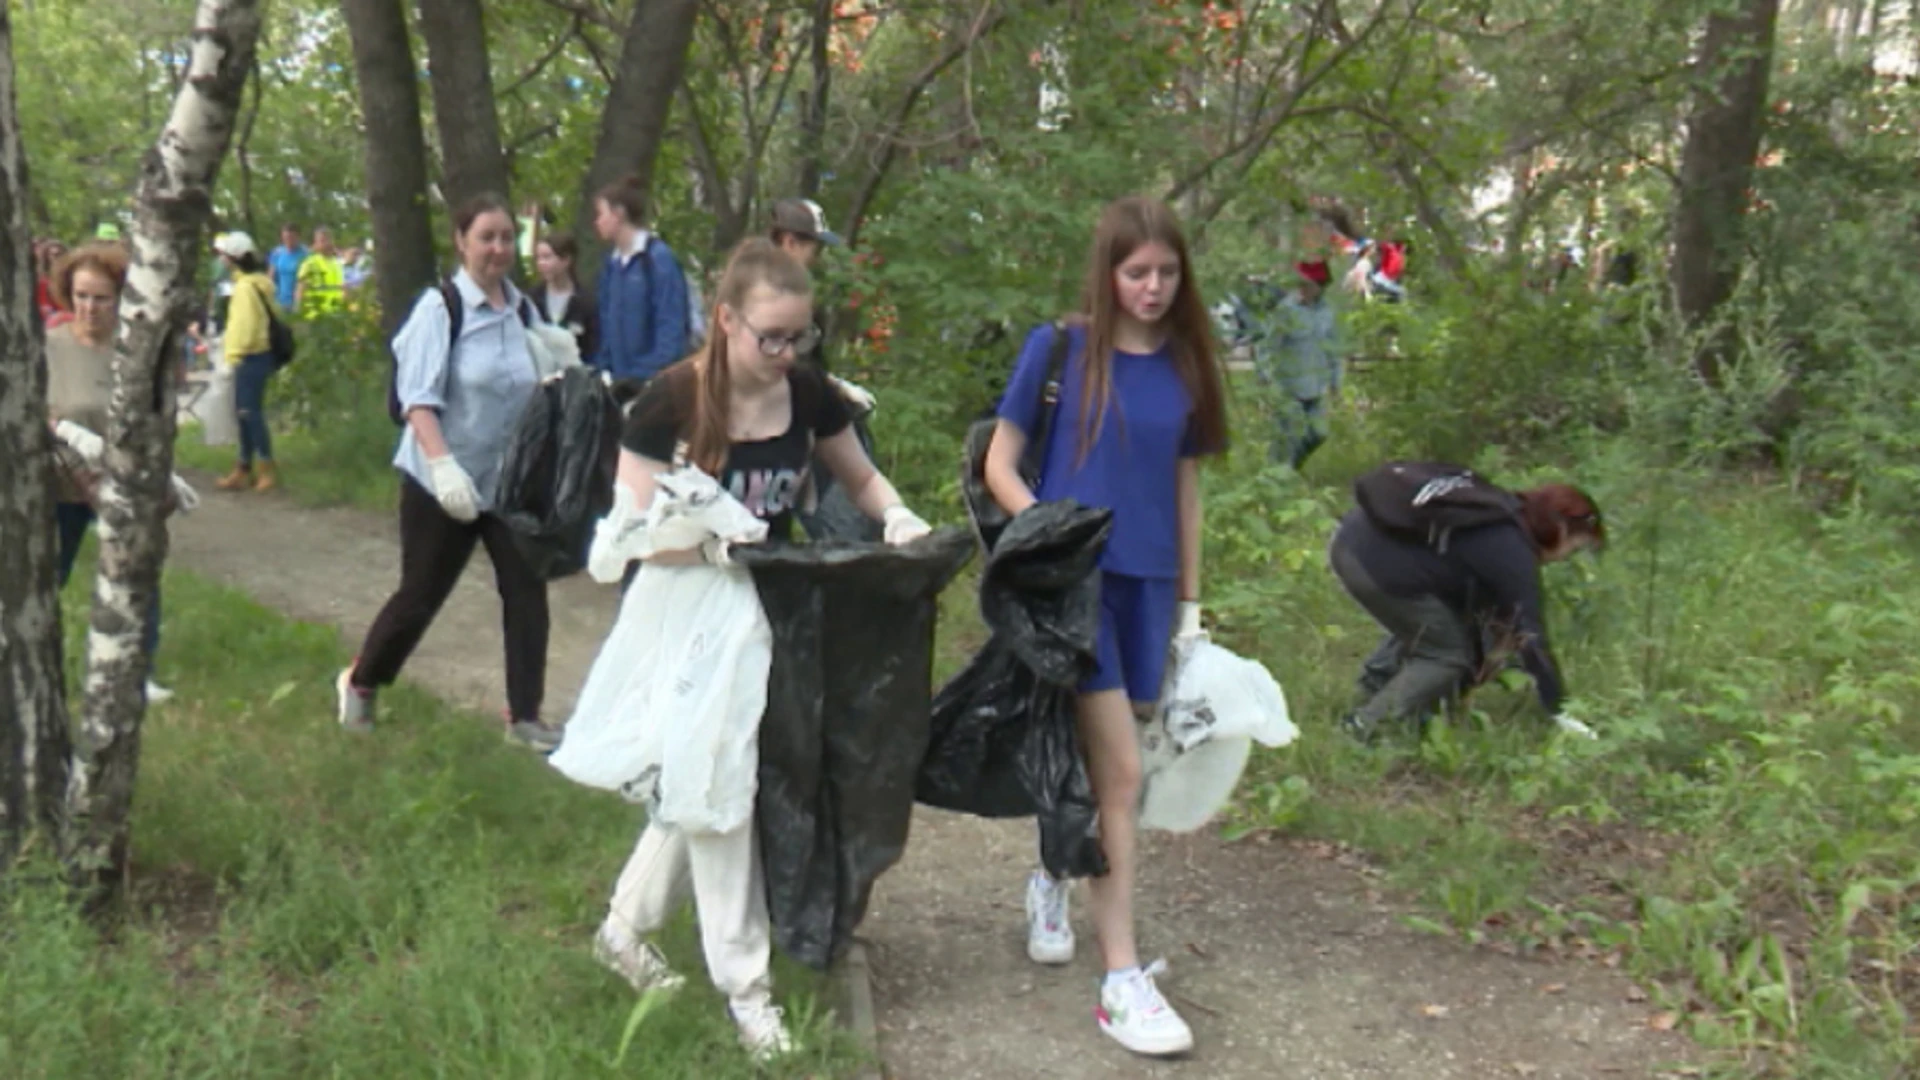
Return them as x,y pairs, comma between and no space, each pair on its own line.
248,351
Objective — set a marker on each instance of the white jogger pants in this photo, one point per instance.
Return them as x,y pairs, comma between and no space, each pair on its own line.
729,896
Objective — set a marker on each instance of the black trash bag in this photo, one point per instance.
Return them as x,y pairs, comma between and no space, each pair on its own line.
848,699
834,517
556,481
1005,739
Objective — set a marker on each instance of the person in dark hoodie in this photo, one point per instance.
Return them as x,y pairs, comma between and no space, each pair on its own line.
1440,603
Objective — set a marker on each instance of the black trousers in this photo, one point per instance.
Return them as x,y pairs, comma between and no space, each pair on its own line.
434,549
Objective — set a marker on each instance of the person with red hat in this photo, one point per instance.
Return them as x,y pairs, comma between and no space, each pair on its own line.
1297,350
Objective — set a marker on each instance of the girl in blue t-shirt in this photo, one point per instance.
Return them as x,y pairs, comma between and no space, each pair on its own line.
1140,402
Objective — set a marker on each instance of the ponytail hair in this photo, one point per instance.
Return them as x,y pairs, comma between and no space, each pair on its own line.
757,263
1555,513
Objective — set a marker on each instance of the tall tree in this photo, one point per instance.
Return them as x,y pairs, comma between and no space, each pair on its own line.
34,754
634,120
1716,164
472,162
171,210
396,155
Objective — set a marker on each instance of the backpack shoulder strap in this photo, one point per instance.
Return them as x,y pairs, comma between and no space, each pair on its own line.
1036,454
456,312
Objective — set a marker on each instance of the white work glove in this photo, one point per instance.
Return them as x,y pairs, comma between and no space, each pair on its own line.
454,488
185,499
1186,623
85,443
1574,727
856,396
716,552
902,526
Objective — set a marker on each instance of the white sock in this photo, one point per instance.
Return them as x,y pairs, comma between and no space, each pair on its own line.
1115,978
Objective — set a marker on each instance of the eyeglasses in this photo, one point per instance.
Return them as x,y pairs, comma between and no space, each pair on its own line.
775,344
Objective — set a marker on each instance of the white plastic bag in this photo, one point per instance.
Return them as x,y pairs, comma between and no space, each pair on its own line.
670,713
554,348
1215,707
215,408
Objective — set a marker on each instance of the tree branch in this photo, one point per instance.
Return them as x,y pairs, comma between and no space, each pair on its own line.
540,65
989,18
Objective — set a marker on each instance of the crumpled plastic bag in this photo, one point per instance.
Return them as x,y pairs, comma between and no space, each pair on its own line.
670,713
1216,705
556,479
1005,739
848,700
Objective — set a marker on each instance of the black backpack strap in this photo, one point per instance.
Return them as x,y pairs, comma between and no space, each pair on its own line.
456,312
1035,456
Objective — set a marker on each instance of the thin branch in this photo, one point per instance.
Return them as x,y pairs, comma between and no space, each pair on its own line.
559,46
1250,146
989,18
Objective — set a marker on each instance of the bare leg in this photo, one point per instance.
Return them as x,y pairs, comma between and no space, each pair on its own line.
1113,765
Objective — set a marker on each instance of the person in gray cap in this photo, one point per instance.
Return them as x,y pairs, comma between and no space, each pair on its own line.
799,228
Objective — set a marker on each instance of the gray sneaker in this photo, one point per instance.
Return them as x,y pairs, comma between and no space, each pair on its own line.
534,735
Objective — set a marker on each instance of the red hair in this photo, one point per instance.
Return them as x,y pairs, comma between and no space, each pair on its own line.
1554,513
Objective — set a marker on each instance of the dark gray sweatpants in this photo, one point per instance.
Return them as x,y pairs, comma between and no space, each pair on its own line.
1429,655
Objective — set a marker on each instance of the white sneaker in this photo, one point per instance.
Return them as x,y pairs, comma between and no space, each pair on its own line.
157,694
1049,931
1132,1011
637,962
763,1029
355,709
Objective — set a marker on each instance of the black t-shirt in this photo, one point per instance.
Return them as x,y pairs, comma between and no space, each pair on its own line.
768,476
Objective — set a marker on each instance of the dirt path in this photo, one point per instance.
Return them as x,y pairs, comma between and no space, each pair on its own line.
1283,962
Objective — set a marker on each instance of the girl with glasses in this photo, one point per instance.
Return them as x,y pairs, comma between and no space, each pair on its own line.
744,411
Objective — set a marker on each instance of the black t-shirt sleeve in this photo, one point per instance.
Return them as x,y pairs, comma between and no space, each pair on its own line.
654,424
817,405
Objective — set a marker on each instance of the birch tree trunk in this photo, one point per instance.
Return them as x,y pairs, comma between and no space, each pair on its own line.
174,199
396,156
34,754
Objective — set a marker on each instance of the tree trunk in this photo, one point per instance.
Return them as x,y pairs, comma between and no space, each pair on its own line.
1716,164
634,119
171,209
34,755
813,124
472,162
396,157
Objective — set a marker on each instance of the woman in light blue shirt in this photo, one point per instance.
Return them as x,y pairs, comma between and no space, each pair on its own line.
461,400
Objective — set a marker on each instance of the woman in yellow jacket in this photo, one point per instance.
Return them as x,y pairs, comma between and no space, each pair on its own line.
249,353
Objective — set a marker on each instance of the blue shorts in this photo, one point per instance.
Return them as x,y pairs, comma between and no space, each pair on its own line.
1136,628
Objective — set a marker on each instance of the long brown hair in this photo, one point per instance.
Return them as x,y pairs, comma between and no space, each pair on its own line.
1125,226
756,263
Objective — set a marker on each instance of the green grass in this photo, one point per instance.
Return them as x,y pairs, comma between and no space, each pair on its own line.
309,903
344,464
1744,834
